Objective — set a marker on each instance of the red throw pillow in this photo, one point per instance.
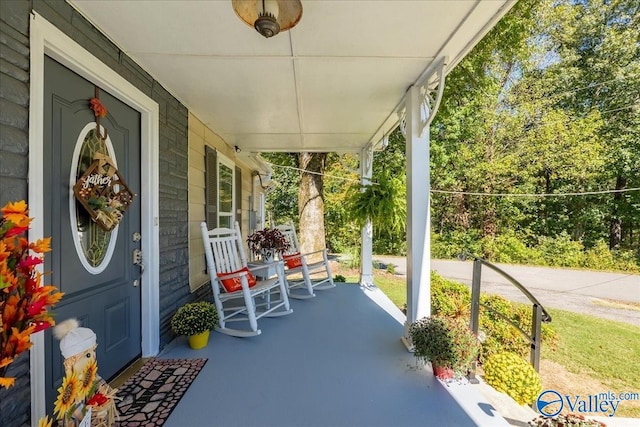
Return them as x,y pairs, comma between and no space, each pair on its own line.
293,260
233,284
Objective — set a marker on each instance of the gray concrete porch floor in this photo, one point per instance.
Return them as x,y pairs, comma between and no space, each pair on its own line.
337,360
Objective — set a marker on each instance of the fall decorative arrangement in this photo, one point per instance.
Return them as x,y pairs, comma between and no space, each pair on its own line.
23,299
84,398
102,189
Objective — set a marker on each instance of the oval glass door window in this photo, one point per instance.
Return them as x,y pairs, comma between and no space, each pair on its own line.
94,245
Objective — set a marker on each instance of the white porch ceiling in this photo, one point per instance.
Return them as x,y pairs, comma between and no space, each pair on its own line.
332,83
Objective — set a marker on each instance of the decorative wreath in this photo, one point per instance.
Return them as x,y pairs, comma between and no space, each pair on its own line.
102,189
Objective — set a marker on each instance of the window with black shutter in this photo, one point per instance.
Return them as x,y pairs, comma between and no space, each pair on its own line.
223,190
211,190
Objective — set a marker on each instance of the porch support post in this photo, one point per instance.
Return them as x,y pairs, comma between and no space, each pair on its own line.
421,104
418,212
366,249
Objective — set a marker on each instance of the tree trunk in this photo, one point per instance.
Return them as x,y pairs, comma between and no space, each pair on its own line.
615,227
311,201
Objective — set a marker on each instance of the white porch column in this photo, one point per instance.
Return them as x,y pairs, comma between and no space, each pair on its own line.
366,249
421,104
418,211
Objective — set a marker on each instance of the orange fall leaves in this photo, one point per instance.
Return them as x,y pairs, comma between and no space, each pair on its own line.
23,298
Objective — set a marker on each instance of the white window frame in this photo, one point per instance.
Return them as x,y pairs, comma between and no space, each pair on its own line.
225,161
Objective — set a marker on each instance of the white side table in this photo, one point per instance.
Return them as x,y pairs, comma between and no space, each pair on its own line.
264,272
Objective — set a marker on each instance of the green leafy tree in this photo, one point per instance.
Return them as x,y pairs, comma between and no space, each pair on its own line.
546,103
596,49
282,202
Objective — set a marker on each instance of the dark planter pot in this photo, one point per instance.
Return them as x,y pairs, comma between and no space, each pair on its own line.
441,372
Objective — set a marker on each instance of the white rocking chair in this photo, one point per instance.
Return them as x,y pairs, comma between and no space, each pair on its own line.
233,293
297,263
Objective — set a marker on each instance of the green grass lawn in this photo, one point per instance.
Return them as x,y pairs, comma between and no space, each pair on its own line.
393,287
605,350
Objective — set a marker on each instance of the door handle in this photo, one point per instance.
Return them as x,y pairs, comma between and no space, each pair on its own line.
137,260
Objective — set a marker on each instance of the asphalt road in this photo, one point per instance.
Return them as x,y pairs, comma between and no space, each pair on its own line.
581,291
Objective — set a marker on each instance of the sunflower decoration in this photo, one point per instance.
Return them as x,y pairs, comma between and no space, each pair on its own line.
87,379
45,421
67,395
92,396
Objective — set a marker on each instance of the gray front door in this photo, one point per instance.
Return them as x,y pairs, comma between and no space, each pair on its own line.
91,266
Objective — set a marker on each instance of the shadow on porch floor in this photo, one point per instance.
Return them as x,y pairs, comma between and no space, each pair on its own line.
336,361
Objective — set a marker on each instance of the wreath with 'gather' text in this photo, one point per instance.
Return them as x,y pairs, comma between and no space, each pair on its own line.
102,189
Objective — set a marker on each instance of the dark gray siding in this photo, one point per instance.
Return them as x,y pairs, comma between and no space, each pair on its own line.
14,121
14,151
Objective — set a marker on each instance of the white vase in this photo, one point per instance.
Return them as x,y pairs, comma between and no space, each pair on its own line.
267,255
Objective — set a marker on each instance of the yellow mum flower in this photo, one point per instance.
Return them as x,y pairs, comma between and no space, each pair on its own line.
67,394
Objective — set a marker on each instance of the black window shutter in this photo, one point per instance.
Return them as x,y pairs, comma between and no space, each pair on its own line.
211,190
239,196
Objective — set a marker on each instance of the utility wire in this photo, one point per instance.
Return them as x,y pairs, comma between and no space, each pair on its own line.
571,119
471,193
316,173
590,86
585,193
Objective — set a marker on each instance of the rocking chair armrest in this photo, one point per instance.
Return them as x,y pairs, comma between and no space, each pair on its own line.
312,253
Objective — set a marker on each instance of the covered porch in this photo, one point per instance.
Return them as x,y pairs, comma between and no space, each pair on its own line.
341,80
336,361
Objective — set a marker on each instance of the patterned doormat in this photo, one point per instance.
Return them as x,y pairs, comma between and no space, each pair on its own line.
149,397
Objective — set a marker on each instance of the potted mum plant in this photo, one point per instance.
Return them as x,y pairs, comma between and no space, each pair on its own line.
267,243
195,320
449,344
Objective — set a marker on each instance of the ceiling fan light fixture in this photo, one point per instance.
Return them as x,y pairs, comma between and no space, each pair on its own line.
267,26
269,17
